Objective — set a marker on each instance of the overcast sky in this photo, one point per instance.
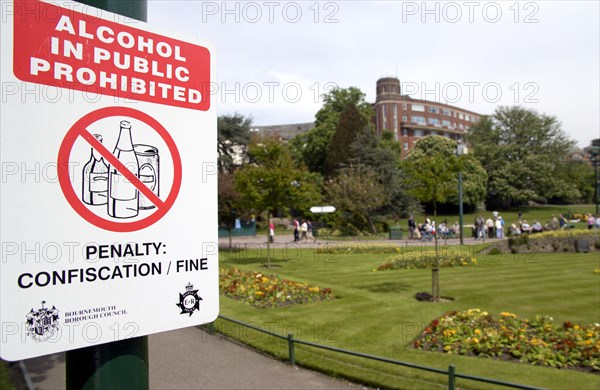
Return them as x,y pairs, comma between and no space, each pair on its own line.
275,59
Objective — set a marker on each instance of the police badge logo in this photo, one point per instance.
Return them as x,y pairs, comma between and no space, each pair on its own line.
42,323
189,301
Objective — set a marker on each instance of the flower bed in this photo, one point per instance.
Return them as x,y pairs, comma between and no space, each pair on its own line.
427,259
539,341
260,290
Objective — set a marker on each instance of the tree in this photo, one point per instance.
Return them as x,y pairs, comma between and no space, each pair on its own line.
339,152
228,199
432,173
521,151
382,155
233,136
356,193
431,170
310,148
272,182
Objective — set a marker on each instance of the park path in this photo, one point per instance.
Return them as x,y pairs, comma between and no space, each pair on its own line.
191,358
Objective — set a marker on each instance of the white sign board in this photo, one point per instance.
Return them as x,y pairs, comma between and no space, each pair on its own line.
109,189
322,209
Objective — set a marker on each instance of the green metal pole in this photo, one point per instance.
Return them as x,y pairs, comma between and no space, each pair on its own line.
122,364
117,365
451,377
291,349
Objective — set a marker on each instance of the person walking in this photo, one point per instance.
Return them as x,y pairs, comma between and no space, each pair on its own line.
309,231
489,223
303,231
411,227
296,230
271,232
499,230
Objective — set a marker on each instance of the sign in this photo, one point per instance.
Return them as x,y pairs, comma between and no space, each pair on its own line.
109,188
322,209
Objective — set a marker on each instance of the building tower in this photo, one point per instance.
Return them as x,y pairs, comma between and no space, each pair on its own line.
409,119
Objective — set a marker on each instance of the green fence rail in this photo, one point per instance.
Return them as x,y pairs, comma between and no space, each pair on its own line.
451,372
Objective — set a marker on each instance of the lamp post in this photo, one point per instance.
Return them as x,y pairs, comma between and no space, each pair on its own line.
461,149
595,151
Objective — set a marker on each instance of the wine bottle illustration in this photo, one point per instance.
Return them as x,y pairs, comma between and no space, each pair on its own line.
122,194
95,179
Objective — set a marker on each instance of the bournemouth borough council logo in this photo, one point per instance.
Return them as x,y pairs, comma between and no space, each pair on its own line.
42,323
189,301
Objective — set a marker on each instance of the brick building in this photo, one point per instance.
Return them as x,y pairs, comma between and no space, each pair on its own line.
410,119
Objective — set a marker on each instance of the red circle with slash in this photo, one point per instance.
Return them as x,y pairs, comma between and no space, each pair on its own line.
79,129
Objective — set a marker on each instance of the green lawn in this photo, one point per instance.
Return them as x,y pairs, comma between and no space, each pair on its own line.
376,313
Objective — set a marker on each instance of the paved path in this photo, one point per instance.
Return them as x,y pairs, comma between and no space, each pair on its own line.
193,359
288,240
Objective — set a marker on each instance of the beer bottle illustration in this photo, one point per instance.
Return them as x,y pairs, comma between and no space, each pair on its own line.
95,179
122,194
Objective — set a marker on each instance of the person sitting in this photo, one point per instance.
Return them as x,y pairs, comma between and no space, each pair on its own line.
525,227
443,231
456,229
514,230
537,227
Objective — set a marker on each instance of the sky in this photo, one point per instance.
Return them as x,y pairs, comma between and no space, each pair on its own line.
275,59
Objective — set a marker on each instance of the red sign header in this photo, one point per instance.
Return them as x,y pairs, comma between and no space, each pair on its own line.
65,48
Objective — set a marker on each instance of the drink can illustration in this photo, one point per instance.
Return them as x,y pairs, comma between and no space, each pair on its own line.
95,179
149,161
122,194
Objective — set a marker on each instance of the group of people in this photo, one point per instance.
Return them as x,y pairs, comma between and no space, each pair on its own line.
429,229
303,231
493,226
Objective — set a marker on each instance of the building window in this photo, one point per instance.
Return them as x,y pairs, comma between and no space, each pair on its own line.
467,118
446,123
417,119
461,116
396,135
460,126
418,107
404,106
404,118
405,146
418,133
405,132
433,110
433,121
446,112
395,111
474,119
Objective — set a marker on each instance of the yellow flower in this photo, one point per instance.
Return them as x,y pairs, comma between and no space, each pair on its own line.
576,327
477,332
588,342
475,340
447,348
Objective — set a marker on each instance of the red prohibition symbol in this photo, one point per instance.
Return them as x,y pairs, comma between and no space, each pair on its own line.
79,129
